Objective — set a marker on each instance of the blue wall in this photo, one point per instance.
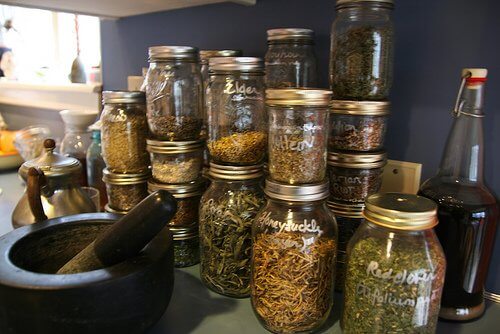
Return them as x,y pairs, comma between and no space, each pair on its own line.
435,39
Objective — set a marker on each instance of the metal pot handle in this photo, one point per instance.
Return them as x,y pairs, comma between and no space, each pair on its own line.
36,180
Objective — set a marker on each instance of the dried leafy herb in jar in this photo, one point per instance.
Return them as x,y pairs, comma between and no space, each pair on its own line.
186,246
239,148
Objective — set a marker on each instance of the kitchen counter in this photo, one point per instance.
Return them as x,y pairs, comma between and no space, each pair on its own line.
195,309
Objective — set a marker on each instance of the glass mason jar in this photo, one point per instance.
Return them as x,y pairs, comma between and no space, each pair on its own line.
290,58
176,162
395,268
236,111
186,245
293,259
125,190
174,93
124,131
348,217
188,197
298,130
361,54
205,56
227,212
357,125
354,177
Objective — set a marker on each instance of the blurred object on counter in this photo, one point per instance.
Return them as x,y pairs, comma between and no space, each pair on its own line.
8,65
95,164
29,141
3,125
95,74
9,157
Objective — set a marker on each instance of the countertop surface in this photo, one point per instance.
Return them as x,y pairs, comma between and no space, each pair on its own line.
195,309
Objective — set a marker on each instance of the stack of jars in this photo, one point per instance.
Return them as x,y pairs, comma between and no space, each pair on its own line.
360,79
174,95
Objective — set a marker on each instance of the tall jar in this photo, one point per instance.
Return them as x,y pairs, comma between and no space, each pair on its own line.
174,93
290,58
361,55
395,268
124,131
236,111
227,212
205,56
293,260
298,132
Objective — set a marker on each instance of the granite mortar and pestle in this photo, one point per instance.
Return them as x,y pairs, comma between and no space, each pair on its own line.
89,273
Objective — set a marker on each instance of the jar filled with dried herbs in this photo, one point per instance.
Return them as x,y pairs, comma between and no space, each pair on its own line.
357,125
348,217
125,190
237,132
188,200
354,177
298,129
290,58
174,93
124,130
395,268
293,259
227,212
176,162
186,245
361,57
205,56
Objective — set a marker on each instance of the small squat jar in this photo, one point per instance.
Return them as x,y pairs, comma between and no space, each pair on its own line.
298,129
290,58
227,212
186,246
293,259
176,162
358,125
125,190
237,132
395,268
354,177
124,130
174,93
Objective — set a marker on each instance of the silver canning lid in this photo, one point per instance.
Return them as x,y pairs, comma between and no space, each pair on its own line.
245,64
184,233
116,97
235,173
185,190
364,108
173,147
357,160
124,179
297,193
188,53
290,33
346,210
298,97
205,55
342,3
109,209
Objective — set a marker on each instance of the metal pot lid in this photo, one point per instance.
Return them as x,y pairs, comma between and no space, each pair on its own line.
346,210
290,33
163,146
184,190
51,163
297,193
245,64
342,3
235,173
298,97
188,53
184,232
124,179
401,211
364,108
357,160
205,55
116,97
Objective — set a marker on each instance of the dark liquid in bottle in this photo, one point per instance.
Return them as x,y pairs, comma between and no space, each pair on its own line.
467,222
83,178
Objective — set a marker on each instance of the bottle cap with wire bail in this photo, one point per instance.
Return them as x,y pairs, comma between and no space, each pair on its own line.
297,193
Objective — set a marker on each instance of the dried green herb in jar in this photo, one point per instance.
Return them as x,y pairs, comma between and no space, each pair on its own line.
176,128
125,197
239,148
292,288
186,252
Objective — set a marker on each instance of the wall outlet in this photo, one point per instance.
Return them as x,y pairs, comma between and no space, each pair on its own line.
401,176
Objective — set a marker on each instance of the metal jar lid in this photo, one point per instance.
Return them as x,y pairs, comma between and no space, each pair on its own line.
205,55
401,211
118,97
109,209
174,147
346,210
385,3
297,193
184,233
289,34
244,64
363,108
185,190
51,163
357,160
187,53
298,97
235,173
124,179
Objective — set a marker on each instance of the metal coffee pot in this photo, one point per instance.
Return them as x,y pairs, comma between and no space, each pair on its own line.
52,188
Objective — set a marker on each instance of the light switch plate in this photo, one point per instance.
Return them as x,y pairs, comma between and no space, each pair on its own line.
401,176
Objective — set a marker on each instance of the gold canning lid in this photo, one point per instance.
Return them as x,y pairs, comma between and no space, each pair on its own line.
174,147
186,53
229,64
298,97
357,160
185,190
384,3
401,211
290,34
235,173
297,193
109,209
205,55
184,232
362,108
124,179
346,210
